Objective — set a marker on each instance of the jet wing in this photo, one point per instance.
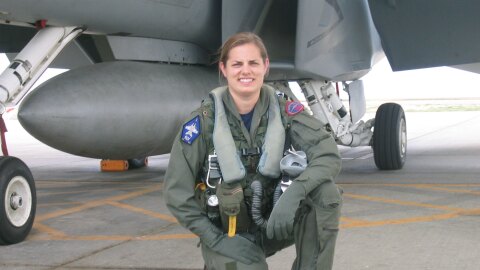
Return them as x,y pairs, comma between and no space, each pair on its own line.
414,33
324,40
421,33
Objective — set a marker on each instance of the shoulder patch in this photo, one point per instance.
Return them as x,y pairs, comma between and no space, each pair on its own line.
191,130
293,108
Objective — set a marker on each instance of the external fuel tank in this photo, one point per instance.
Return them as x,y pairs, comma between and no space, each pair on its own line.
116,110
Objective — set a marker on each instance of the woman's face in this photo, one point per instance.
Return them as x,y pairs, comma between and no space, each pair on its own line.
244,70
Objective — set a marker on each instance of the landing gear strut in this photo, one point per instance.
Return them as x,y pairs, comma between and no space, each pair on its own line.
18,200
17,188
389,137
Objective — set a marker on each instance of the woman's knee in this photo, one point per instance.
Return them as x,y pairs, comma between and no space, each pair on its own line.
328,195
327,199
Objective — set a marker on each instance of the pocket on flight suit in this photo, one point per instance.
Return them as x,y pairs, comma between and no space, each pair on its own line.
328,212
305,231
328,203
232,203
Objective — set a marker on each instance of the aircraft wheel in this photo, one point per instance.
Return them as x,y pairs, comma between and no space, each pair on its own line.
136,163
17,202
390,137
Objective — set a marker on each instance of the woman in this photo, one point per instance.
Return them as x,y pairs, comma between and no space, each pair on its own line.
230,149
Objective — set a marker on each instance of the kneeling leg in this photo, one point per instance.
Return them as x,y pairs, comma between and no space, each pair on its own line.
316,228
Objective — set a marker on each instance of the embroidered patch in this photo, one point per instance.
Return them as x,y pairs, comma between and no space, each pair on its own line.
293,107
191,130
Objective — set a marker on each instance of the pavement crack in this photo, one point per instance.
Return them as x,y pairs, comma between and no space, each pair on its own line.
65,264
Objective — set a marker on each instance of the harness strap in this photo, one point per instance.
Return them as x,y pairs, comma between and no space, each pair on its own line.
271,151
230,163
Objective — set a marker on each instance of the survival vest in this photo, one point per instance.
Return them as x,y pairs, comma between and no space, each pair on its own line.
241,162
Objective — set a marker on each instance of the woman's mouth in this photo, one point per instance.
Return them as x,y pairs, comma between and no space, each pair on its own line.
246,80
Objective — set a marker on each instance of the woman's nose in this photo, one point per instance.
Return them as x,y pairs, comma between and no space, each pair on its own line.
246,69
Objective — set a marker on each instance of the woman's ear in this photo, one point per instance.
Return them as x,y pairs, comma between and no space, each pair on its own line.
221,65
267,66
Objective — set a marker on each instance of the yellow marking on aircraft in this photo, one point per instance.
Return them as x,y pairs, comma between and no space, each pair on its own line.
143,211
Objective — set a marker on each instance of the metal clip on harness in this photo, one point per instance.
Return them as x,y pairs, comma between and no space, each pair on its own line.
213,169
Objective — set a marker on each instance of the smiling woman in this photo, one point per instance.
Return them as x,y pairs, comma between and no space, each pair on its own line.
227,157
244,63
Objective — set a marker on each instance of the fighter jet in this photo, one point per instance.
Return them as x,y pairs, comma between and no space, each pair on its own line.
138,68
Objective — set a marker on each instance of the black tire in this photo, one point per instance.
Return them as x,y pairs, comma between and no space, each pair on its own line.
18,180
136,163
390,137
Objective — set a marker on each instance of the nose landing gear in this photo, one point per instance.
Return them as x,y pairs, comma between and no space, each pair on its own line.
17,200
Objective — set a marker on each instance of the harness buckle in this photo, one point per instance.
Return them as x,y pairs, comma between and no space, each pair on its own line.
213,170
251,151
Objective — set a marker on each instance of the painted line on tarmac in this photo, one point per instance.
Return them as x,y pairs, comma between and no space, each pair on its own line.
58,237
410,185
43,183
446,189
49,233
451,212
96,203
400,202
348,220
54,234
143,211
456,214
40,194
44,205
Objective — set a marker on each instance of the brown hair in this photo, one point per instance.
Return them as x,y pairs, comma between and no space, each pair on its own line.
241,39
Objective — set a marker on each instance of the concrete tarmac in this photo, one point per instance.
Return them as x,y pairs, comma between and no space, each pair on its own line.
424,216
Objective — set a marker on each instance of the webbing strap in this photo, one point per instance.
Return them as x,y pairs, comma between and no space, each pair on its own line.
230,162
271,151
3,129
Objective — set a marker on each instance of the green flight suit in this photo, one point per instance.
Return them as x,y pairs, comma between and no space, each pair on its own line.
316,218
